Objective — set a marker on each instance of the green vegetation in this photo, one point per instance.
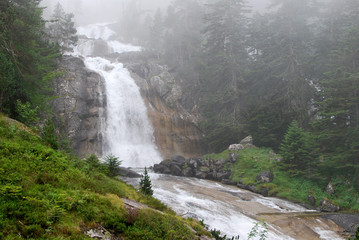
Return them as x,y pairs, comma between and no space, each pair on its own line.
252,161
145,184
48,194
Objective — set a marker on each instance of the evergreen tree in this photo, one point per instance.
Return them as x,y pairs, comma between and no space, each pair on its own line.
61,29
113,165
296,150
145,184
224,61
27,60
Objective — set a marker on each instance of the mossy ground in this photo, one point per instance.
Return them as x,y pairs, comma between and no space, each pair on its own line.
48,194
252,161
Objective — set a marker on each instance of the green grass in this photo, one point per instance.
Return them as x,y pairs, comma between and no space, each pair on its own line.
252,161
48,194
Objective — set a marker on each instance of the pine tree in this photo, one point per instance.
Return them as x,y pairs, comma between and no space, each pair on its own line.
145,184
296,150
61,29
113,165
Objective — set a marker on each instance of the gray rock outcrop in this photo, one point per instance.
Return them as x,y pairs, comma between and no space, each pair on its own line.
265,177
79,106
328,206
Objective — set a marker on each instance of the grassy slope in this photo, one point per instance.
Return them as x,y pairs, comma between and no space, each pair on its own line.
255,160
46,194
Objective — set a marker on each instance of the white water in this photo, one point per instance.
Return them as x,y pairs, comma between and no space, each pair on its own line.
235,212
128,133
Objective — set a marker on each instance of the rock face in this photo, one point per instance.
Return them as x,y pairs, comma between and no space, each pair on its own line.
79,106
173,114
327,206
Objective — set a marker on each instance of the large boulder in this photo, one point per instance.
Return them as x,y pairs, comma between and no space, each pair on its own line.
235,147
265,177
232,157
126,172
247,141
176,170
188,172
328,206
160,168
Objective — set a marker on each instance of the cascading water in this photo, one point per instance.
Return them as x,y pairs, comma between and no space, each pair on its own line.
127,133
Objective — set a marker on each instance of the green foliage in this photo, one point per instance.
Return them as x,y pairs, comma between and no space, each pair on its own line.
48,134
145,184
260,230
47,194
296,150
27,114
356,237
27,60
112,163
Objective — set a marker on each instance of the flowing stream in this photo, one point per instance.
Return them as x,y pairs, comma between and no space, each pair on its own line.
128,134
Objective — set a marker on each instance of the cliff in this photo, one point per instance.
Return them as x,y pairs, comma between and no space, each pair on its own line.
79,105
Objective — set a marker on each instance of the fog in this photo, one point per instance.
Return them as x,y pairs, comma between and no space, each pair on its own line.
91,11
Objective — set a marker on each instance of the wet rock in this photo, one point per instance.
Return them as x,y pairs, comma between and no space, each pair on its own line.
330,188
201,175
178,158
265,177
223,175
328,206
241,185
193,163
263,191
311,199
251,188
229,182
188,172
176,170
126,172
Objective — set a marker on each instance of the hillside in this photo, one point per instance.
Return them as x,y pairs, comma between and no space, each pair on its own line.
48,194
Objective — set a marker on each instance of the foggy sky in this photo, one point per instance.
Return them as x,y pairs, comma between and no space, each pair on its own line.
91,11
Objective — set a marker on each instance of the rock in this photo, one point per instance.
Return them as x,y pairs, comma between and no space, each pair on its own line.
176,170
327,206
200,174
235,147
193,163
81,99
188,172
241,185
265,177
220,162
126,172
330,188
232,157
223,175
178,158
247,140
263,191
229,182
311,199
99,233
251,188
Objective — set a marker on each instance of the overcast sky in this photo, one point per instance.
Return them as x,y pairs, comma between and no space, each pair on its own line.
87,11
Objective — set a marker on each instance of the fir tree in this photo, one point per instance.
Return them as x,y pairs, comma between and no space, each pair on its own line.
112,164
145,184
296,150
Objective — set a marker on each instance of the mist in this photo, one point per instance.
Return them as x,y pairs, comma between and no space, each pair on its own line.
94,11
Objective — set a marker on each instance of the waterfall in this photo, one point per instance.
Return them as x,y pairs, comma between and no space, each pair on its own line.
127,133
